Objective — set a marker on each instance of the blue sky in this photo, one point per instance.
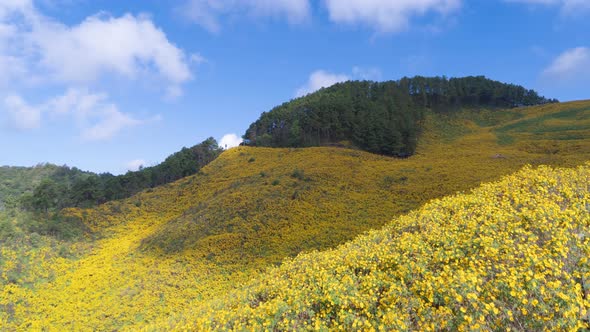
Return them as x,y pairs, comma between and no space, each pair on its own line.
109,85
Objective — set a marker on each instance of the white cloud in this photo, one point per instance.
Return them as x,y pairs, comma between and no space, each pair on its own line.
197,58
9,7
109,122
323,79
386,15
573,64
21,114
320,79
98,118
135,165
12,68
129,46
207,13
568,7
126,46
13,65
36,50
366,73
93,113
229,141
76,101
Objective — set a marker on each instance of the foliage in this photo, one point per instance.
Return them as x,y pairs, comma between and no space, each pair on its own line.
384,117
16,181
72,188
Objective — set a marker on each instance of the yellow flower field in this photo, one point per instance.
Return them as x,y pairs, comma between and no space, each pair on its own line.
164,258
510,255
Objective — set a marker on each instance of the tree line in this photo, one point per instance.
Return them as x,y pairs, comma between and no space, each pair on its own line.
71,187
380,117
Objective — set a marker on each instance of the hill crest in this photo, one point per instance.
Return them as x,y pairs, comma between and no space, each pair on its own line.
380,117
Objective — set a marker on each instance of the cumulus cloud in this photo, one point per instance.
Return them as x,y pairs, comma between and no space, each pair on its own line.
96,117
323,79
128,46
569,7
135,165
207,13
21,114
573,64
386,15
229,141
12,68
320,79
9,7
76,101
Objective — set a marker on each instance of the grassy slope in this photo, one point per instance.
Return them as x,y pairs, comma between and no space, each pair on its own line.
512,254
171,248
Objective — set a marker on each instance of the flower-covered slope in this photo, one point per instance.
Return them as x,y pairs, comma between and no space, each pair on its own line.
510,255
154,259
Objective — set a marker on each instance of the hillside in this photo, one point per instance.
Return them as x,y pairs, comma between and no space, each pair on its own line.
174,247
16,181
512,254
48,188
380,117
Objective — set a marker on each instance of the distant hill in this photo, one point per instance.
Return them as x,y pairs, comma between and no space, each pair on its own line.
16,181
69,187
380,117
157,257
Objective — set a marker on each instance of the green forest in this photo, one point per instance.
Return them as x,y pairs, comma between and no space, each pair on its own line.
53,188
16,181
380,117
